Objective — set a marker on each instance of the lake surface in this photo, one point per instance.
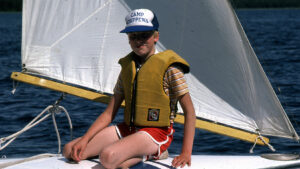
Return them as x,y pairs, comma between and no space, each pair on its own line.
274,35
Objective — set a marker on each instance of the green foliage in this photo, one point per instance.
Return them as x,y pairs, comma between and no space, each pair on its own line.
265,3
10,5
16,5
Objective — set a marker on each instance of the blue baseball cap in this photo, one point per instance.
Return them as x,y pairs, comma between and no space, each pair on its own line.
140,20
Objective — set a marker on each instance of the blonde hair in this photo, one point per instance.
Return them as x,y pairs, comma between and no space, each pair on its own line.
155,34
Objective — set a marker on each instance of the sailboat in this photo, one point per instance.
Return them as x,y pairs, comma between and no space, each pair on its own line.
73,47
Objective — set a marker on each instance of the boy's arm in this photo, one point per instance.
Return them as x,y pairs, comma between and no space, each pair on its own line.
101,122
106,117
189,132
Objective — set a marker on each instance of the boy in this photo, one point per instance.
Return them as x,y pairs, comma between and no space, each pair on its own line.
151,84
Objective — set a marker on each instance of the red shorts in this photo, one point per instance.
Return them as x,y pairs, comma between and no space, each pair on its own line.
162,136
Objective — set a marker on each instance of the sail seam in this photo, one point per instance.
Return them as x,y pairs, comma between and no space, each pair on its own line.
103,43
182,33
81,23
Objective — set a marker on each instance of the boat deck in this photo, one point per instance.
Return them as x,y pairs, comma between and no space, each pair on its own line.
198,162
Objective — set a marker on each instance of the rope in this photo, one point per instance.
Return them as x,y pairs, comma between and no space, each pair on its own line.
56,110
52,110
15,85
28,159
33,123
262,139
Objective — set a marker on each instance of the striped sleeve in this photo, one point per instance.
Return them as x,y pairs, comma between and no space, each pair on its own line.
174,83
119,87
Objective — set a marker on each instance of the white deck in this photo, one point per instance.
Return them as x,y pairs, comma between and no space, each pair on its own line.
198,162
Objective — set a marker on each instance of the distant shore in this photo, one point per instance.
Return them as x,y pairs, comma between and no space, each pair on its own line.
16,5
265,3
10,5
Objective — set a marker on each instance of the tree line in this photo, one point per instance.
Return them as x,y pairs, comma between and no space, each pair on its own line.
265,3
16,5
10,5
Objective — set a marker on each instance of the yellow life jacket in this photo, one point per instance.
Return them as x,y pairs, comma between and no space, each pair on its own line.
151,104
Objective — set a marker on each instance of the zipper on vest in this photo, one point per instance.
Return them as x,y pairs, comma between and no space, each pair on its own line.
133,100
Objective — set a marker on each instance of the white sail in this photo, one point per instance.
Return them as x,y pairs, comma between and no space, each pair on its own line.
79,42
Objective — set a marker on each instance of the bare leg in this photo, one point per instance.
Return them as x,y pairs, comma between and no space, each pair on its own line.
125,152
104,138
130,162
114,152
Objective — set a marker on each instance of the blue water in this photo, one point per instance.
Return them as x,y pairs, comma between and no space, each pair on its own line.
274,35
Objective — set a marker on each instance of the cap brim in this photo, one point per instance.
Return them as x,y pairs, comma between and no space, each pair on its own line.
137,29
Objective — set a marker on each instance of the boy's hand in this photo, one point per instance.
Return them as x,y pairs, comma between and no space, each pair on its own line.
78,149
181,160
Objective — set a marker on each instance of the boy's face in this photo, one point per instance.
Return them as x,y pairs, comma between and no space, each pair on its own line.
143,43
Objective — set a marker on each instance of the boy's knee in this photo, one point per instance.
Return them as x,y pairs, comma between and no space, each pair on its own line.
108,158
